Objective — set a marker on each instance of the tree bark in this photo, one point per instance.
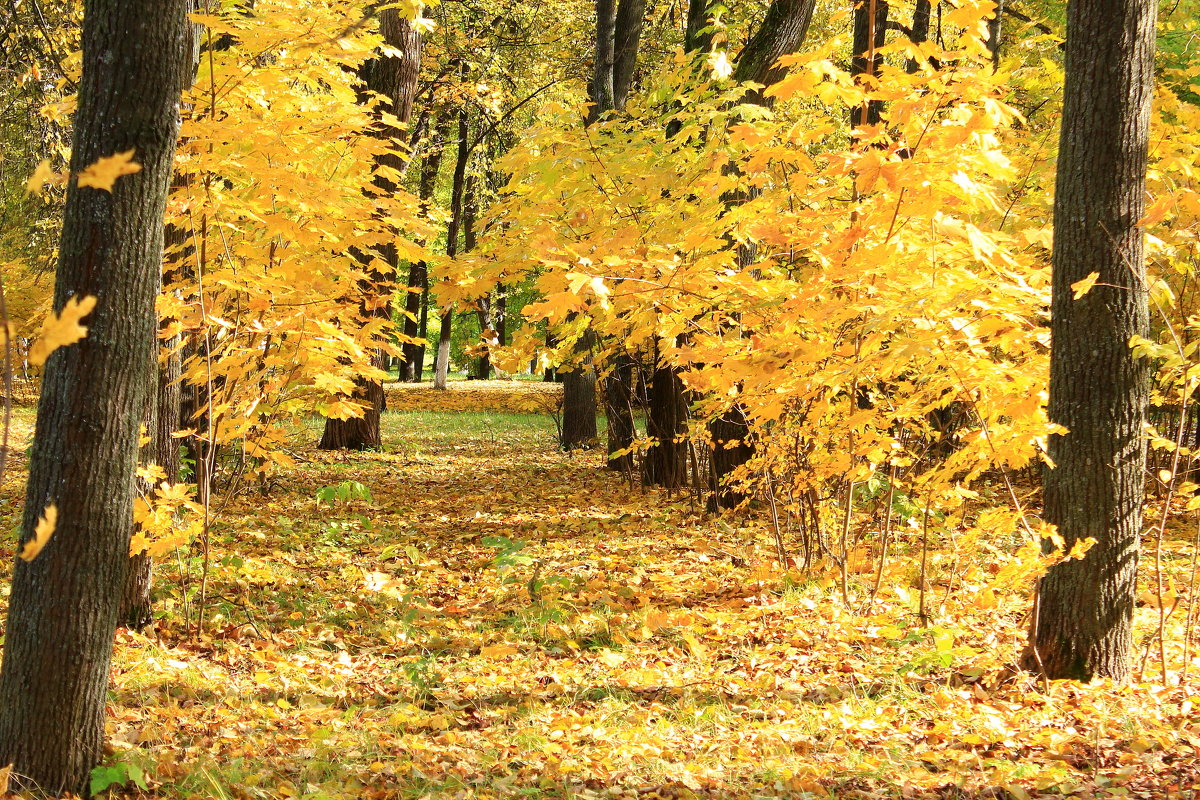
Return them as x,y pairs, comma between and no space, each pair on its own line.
1098,390
394,77
63,607
602,68
665,463
782,32
627,35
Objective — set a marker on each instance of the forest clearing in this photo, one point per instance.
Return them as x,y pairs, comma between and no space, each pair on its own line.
490,616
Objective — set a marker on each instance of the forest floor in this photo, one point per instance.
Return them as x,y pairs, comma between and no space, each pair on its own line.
471,613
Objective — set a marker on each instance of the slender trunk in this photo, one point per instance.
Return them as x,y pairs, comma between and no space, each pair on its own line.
627,35
919,32
418,275
457,190
64,602
1098,391
870,34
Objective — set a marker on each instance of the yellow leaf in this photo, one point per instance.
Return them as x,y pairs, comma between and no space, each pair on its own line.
41,533
104,173
62,329
1080,288
498,651
40,177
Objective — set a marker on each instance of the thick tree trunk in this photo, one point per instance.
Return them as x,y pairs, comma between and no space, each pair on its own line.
395,78
919,32
602,73
64,603
1098,390
731,448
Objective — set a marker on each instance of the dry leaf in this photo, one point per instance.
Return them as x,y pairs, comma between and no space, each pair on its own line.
1080,288
41,533
62,329
104,173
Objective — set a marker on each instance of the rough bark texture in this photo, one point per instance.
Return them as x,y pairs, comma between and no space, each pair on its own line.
1098,391
782,32
626,39
601,88
394,78
919,32
697,38
63,607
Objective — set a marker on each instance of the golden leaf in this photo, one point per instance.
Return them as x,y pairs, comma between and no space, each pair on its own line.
41,533
41,176
62,329
1080,288
104,173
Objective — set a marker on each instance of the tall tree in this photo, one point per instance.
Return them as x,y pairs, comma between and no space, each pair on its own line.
1098,390
393,76
457,191
63,607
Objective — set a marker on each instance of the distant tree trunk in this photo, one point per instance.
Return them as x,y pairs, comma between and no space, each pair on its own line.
870,35
1098,390
618,409
64,603
418,275
395,78
665,463
995,27
697,37
457,190
579,398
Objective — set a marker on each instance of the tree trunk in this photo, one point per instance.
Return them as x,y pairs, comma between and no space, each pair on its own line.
919,32
618,408
457,191
579,398
418,275
870,35
1098,390
665,463
627,35
601,89
64,603
731,448
395,78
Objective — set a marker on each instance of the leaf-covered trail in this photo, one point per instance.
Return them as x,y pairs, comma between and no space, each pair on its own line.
503,620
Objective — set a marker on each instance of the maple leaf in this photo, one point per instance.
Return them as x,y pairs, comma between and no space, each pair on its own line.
62,329
104,173
1082,287
42,176
41,533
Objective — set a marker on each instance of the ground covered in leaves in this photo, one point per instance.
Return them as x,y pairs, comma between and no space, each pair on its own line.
471,613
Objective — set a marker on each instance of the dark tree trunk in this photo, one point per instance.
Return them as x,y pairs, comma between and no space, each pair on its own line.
1098,391
579,398
870,34
457,191
783,31
618,408
393,77
995,28
665,463
418,275
919,32
627,35
64,603
601,89
697,37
